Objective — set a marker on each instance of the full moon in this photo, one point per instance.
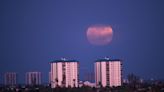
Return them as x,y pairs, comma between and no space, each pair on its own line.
99,34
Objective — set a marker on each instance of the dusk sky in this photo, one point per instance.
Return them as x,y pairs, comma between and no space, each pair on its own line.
35,32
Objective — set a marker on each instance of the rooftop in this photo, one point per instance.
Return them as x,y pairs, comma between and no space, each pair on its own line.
63,60
107,59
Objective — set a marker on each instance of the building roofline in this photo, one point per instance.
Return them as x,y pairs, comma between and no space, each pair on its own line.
107,60
63,60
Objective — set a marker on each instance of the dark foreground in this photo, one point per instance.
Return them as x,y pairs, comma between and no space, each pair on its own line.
124,88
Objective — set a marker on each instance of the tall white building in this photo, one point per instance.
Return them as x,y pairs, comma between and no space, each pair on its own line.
64,73
108,72
33,78
10,78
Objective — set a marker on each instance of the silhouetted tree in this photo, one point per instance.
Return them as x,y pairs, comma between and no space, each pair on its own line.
100,84
56,80
74,82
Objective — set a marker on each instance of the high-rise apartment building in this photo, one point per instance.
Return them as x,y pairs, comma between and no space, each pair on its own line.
108,72
64,73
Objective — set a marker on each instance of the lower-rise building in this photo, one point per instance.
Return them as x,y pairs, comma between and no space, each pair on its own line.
33,78
10,78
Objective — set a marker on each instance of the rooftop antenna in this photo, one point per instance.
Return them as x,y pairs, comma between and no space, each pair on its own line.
107,58
64,59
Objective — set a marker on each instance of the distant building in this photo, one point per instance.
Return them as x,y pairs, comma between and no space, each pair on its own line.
49,74
108,72
89,76
10,78
64,73
33,78
90,84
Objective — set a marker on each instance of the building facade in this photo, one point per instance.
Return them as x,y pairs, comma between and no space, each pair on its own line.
108,72
64,73
33,78
10,78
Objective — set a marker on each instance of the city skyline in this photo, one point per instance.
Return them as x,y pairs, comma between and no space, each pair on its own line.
35,77
34,33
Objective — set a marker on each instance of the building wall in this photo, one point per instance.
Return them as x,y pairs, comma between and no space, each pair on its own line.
67,69
97,73
103,73
108,73
10,78
59,77
54,74
33,78
115,73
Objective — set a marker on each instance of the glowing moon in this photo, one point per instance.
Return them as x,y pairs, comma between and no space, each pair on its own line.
99,34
